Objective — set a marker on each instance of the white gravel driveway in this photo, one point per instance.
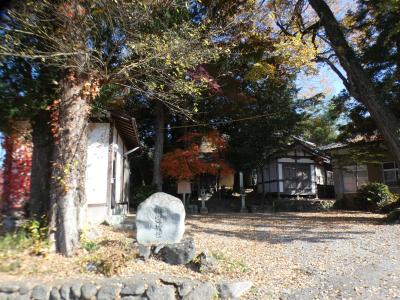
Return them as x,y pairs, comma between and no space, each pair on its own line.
324,255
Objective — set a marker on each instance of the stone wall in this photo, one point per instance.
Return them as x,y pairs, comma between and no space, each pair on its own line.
151,287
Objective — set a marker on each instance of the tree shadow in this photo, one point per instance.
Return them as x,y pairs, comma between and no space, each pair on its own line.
285,227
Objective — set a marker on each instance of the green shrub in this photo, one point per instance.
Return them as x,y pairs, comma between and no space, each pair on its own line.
37,231
391,206
14,241
145,191
31,234
89,246
376,195
393,216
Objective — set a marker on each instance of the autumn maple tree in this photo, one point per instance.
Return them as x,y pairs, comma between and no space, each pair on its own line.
17,169
203,154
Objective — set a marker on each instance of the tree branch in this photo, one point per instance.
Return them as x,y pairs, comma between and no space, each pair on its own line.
36,56
335,69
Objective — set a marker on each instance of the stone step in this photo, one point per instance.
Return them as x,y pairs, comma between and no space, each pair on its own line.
128,222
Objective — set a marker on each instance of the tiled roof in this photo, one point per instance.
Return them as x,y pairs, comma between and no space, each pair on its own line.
360,139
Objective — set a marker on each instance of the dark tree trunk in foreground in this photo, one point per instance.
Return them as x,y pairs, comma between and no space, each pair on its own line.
358,83
158,145
67,192
42,140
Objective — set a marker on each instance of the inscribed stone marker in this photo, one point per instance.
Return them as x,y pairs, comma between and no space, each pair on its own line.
160,220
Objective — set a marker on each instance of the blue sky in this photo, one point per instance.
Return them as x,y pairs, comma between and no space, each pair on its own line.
326,81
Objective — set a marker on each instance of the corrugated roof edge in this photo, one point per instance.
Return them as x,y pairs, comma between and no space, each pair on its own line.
358,140
126,127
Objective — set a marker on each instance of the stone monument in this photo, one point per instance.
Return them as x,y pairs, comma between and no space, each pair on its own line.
160,220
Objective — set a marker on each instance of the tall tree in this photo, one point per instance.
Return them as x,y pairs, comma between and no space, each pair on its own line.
374,30
320,129
360,85
251,93
158,145
95,44
27,88
331,45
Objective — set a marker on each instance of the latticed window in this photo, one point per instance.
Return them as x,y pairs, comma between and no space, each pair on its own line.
391,175
354,177
329,178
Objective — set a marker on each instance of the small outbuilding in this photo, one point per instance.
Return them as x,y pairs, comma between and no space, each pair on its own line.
360,161
299,170
111,139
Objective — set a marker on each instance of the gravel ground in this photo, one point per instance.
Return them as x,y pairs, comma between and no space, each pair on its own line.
334,255
318,255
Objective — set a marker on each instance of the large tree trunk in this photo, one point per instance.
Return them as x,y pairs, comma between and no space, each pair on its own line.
39,201
158,145
358,83
67,194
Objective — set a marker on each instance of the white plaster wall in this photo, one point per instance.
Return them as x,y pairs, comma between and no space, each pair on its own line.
119,150
313,184
97,163
97,214
320,173
126,176
280,177
292,160
96,172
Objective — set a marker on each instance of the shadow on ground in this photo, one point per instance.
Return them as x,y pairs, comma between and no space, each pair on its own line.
285,227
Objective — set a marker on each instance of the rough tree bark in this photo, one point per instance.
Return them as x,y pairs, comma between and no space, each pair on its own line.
67,194
39,201
359,84
158,145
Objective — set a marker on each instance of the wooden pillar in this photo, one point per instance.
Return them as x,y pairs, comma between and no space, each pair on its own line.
263,181
295,172
269,175
110,167
278,179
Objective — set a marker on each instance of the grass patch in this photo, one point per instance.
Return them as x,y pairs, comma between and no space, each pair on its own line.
15,241
107,257
29,238
11,245
90,246
8,266
229,263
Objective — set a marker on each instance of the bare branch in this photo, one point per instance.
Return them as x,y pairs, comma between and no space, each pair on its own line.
37,56
335,69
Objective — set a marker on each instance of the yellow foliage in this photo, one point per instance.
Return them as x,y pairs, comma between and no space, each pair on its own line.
290,54
259,70
297,53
